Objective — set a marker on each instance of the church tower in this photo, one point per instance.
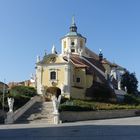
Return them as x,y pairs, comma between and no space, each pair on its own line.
73,42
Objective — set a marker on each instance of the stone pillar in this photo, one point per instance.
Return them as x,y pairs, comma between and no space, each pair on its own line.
9,119
68,79
76,45
68,43
56,103
39,79
56,119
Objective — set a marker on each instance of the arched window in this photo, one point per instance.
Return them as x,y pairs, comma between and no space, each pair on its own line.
53,75
72,43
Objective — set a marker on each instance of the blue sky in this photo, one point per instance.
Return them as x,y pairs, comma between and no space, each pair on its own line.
29,27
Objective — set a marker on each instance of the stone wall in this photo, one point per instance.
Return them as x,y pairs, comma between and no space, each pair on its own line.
69,116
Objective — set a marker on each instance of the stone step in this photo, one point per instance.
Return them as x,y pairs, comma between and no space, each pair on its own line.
40,112
34,116
47,121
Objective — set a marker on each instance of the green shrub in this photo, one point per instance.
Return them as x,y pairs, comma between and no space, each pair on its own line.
23,91
21,95
76,105
131,99
81,105
74,108
5,100
63,100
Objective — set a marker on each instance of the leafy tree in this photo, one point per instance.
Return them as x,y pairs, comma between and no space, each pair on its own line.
130,81
24,91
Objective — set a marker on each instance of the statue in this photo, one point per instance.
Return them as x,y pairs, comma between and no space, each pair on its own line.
119,85
10,104
80,51
38,59
125,88
54,50
56,103
100,50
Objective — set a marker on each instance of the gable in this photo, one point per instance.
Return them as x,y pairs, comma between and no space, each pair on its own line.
51,59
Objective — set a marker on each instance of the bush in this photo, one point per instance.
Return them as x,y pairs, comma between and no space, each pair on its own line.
63,100
131,99
76,105
5,100
81,105
21,95
73,108
23,91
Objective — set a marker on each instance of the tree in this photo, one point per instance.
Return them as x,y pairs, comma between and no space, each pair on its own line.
130,81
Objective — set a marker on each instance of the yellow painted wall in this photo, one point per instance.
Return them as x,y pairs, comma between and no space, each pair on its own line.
89,81
59,80
72,75
77,93
61,76
58,59
107,68
80,73
45,77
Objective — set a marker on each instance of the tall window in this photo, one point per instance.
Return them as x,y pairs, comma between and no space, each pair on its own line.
81,43
78,80
53,75
72,43
64,44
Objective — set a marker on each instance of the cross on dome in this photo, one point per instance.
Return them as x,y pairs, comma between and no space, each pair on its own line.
73,27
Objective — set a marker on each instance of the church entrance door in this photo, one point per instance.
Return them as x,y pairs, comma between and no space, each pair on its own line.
52,91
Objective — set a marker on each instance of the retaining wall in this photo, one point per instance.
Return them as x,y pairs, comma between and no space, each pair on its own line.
69,116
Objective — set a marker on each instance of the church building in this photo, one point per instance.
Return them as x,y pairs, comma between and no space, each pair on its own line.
76,70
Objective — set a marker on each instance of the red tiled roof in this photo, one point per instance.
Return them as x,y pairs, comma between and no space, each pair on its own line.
95,62
79,62
76,61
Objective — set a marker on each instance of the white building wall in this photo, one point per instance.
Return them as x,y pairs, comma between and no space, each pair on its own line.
77,41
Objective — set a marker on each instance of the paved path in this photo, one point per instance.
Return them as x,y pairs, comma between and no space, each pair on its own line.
112,129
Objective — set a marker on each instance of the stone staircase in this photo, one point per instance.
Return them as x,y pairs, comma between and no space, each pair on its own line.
120,92
120,95
40,112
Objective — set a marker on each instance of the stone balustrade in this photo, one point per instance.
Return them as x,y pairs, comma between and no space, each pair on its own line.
13,116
